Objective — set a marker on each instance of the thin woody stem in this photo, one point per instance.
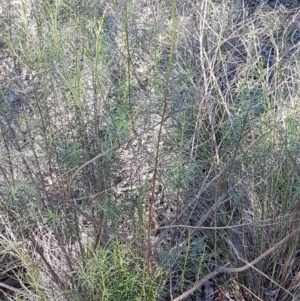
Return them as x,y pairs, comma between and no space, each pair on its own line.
224,269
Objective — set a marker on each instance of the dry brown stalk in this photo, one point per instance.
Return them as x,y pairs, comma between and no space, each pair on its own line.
30,296
224,269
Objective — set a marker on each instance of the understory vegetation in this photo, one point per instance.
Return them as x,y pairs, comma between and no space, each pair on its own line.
149,150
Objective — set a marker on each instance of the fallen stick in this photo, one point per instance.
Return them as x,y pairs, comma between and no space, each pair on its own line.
224,269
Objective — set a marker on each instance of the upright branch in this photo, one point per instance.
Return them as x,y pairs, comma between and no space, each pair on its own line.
164,111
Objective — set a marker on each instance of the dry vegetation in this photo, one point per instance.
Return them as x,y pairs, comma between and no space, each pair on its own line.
149,150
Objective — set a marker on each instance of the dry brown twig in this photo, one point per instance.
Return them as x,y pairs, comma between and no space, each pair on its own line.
30,296
224,269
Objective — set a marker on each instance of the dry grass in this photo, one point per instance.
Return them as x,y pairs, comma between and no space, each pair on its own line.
162,137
